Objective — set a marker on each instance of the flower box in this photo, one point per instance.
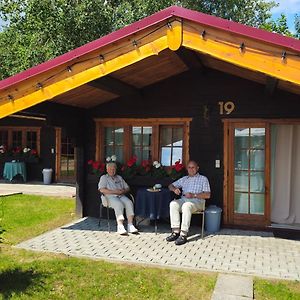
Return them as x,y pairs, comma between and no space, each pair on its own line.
28,159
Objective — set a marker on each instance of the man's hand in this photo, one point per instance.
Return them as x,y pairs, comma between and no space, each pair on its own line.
189,195
120,192
177,191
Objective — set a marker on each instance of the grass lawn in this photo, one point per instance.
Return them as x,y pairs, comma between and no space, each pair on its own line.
34,275
38,275
276,289
25,216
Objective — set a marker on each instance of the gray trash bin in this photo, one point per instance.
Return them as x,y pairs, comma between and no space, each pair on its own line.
212,218
47,176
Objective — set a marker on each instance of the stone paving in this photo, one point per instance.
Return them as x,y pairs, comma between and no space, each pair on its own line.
233,287
37,188
230,251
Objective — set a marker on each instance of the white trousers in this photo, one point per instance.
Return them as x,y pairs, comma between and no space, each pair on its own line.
186,207
118,203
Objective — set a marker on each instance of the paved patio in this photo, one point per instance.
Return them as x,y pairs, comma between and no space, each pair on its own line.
37,188
231,251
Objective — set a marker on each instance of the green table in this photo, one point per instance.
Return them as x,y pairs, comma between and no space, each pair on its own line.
11,169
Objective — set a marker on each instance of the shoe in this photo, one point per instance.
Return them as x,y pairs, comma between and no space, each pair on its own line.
131,228
121,230
172,237
182,239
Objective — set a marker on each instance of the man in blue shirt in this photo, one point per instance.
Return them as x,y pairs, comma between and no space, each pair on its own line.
195,189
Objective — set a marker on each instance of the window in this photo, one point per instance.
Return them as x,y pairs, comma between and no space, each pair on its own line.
3,137
142,143
31,139
114,142
13,137
165,140
17,139
67,160
171,144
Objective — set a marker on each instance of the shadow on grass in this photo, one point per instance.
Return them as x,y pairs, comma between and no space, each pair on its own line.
17,281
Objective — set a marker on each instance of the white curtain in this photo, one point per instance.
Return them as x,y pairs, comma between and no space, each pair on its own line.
285,174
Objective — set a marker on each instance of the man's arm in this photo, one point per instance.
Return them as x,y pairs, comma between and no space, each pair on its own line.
203,195
174,189
106,191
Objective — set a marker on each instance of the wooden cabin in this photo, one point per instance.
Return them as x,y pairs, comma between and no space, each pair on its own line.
177,84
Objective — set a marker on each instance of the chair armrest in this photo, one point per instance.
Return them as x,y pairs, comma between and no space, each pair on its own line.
104,200
131,197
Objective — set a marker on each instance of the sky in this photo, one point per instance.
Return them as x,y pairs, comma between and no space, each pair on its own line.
290,8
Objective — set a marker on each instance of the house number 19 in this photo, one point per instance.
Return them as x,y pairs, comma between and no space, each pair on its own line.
226,107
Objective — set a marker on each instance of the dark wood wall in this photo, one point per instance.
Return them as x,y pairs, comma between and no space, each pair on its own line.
46,160
194,94
55,116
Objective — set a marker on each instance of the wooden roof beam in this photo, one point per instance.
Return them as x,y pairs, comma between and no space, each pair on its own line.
115,86
190,58
271,85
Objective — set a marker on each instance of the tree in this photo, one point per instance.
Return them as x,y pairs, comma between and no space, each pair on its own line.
40,30
36,31
297,26
279,26
249,12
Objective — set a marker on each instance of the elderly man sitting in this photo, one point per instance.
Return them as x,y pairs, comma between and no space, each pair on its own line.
114,187
195,188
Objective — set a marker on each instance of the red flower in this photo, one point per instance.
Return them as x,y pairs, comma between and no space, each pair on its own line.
17,150
33,152
131,161
145,164
95,165
102,167
179,167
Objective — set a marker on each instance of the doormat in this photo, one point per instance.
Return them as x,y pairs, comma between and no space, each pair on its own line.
287,234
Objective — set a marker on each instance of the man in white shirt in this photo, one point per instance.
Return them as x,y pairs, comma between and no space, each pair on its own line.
195,189
114,187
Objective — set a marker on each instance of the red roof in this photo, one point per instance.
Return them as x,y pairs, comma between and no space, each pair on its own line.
230,26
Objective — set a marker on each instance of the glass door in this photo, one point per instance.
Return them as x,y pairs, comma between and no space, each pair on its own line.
248,169
65,157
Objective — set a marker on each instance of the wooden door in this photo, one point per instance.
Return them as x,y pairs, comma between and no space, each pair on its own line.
248,172
65,157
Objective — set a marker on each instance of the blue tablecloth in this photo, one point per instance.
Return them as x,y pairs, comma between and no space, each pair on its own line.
11,169
153,205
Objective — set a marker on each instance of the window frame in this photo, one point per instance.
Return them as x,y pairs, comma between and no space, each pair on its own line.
24,131
128,123
141,146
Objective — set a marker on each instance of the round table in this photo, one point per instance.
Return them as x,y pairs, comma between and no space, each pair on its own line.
153,205
11,169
